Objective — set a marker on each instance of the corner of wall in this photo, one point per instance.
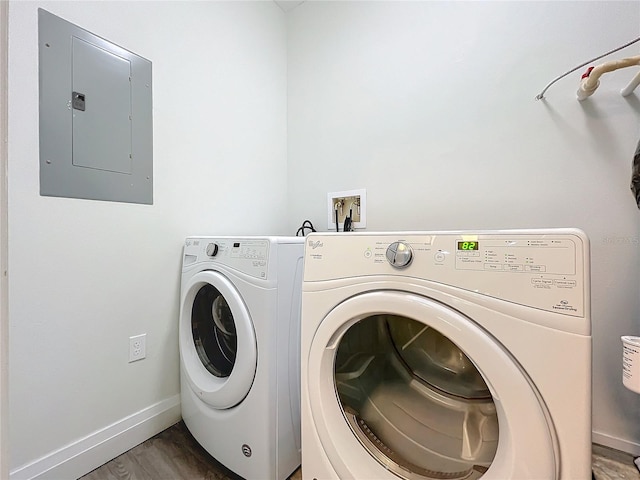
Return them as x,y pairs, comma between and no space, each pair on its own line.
4,310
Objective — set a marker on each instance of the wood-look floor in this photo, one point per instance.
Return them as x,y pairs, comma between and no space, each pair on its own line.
175,455
171,455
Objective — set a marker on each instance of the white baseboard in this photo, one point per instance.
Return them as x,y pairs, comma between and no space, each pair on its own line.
616,443
81,457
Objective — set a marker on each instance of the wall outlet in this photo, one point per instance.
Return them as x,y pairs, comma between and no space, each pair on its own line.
348,203
137,347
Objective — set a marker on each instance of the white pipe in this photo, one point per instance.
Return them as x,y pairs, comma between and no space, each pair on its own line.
590,83
631,87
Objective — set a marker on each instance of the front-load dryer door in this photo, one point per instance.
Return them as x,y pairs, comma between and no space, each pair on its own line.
402,386
217,340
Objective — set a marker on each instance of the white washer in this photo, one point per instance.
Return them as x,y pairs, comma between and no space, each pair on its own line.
239,351
446,355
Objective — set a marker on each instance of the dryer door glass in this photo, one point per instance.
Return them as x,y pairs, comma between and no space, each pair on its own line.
214,331
414,400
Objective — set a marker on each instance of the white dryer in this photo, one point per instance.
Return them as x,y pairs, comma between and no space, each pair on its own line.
239,340
446,355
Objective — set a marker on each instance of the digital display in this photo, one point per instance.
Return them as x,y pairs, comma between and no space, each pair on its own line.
468,246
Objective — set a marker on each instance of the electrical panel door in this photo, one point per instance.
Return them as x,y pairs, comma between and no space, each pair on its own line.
96,134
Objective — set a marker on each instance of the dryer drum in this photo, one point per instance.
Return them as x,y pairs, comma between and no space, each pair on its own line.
435,359
395,462
214,331
414,400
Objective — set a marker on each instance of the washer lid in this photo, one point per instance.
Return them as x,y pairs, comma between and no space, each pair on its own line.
526,439
218,346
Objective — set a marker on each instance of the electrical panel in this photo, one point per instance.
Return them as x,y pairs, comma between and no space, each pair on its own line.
96,127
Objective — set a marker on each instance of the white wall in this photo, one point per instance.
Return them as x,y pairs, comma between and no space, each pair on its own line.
86,275
430,107
4,252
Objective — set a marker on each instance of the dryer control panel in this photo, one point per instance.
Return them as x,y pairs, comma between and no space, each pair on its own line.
545,269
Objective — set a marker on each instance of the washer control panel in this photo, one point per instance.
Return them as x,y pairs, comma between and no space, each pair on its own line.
545,269
247,255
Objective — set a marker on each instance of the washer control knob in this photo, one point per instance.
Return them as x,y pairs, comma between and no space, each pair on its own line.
399,254
212,249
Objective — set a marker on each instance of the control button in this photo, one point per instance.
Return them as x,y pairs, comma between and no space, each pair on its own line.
368,253
439,257
399,254
212,249
535,268
542,282
513,267
493,266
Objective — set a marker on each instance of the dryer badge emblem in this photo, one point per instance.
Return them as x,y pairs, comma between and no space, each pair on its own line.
246,450
564,305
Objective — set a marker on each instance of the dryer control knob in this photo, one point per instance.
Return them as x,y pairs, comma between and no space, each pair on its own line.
399,254
212,249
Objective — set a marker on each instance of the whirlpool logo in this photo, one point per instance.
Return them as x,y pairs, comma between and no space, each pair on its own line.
313,245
